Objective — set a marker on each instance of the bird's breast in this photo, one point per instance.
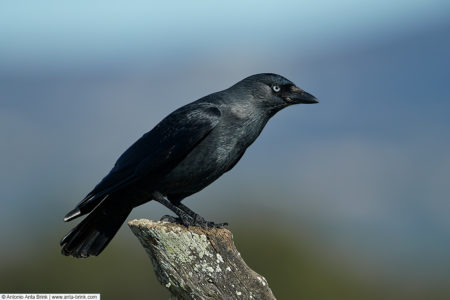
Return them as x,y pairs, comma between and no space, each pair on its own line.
217,153
212,157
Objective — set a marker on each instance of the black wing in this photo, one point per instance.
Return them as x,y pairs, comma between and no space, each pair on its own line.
155,153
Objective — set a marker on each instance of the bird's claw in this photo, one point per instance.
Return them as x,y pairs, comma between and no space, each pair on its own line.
176,220
199,221
219,225
209,224
171,219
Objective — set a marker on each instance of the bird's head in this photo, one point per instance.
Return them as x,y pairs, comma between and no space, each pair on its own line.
275,91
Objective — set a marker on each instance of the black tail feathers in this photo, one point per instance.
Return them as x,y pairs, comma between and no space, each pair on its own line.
95,232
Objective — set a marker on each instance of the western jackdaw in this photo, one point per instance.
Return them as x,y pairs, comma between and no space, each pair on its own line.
184,153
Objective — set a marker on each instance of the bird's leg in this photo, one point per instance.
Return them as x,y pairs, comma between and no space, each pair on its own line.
184,218
192,214
199,220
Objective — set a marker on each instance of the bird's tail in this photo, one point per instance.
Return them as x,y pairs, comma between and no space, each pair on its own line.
95,232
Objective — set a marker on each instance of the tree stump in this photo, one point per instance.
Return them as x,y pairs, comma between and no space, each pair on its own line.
197,263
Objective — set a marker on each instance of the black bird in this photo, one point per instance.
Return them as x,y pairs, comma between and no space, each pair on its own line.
184,153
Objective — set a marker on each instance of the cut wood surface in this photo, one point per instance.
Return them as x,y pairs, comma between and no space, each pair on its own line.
198,263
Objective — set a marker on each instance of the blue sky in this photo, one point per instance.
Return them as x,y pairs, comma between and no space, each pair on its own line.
58,34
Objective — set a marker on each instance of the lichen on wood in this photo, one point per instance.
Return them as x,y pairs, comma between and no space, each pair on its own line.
198,263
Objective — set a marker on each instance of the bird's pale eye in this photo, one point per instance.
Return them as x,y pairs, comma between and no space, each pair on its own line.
276,88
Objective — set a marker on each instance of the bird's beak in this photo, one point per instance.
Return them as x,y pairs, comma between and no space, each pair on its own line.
296,96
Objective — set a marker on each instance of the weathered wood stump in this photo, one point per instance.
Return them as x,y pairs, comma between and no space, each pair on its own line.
197,263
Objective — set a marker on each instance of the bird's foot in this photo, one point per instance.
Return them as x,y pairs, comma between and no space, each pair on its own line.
176,220
209,224
199,222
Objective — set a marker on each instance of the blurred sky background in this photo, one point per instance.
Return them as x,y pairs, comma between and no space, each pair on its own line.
362,177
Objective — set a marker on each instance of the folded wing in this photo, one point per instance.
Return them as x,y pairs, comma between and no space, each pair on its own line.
155,153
